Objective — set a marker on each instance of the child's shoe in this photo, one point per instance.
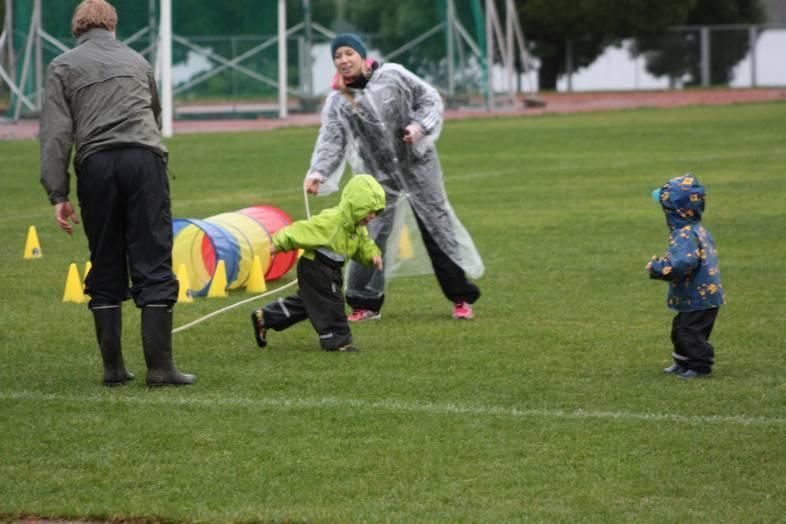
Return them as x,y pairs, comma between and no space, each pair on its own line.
462,310
690,374
346,348
260,331
675,369
364,314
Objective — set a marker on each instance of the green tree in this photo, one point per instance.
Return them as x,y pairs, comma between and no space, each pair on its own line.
388,25
677,55
589,26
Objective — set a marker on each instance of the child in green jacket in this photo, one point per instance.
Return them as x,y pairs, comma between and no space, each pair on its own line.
328,240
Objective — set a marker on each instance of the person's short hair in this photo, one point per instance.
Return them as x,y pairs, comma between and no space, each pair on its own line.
92,14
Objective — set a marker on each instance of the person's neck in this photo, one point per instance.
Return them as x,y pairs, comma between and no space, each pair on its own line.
360,81
95,32
357,82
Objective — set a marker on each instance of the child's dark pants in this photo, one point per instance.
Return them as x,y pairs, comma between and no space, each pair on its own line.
690,333
319,298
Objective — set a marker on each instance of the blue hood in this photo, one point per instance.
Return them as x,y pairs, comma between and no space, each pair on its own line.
682,199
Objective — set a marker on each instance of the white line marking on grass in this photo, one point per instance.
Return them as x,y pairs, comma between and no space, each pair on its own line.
393,405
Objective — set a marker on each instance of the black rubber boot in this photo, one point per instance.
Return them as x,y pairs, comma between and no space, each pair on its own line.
108,321
157,345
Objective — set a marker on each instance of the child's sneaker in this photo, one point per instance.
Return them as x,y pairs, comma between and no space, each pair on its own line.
675,369
364,314
260,331
690,374
346,348
462,310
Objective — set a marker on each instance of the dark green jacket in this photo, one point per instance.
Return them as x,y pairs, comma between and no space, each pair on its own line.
336,229
99,95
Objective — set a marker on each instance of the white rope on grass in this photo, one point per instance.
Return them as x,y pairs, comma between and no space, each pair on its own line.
227,308
251,299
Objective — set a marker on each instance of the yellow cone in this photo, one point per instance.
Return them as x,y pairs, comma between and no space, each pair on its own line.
32,246
256,280
218,287
405,244
184,294
88,267
73,288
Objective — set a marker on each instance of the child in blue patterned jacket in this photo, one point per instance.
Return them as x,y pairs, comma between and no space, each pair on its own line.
691,268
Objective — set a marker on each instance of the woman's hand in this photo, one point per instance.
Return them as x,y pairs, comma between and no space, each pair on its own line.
412,133
377,261
312,183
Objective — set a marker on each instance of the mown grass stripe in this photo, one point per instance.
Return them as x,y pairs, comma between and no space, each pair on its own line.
400,406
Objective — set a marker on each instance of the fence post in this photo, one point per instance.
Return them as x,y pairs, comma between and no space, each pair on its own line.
705,56
233,46
449,30
569,65
752,45
308,83
165,54
9,43
489,57
39,60
282,59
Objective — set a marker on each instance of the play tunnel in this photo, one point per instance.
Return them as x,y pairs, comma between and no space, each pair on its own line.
234,238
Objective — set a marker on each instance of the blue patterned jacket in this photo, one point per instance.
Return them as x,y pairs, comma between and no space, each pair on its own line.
691,263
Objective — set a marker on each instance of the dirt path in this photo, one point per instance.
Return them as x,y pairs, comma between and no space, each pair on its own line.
554,103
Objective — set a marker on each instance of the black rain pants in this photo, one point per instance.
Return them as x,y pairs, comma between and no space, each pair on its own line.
124,202
690,334
319,298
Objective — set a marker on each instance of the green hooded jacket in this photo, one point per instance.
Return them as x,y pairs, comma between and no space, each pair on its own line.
337,228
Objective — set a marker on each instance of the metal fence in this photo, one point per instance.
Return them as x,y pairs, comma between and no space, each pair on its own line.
453,55
707,56
450,50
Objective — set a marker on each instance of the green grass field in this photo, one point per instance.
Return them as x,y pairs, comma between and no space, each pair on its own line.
549,406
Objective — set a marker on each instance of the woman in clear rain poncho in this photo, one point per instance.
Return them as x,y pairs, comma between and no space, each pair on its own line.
384,120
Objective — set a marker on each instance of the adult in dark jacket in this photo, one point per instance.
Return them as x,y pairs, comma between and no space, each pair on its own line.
385,121
101,97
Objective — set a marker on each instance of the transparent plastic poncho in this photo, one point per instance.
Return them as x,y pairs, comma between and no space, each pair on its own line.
365,128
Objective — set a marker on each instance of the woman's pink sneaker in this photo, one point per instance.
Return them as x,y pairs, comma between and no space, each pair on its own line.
462,310
364,314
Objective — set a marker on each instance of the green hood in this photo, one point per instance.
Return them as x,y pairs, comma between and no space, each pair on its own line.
361,196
